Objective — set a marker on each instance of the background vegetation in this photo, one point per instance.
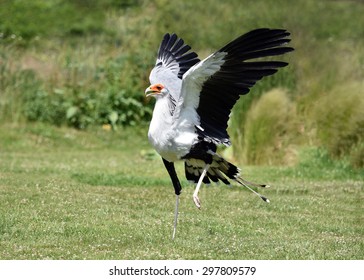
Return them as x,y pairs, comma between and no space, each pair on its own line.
84,65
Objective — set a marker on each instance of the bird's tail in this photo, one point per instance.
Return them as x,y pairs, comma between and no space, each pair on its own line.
221,165
219,170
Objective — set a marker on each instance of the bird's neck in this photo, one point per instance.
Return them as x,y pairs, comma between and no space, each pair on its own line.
161,120
161,112
160,131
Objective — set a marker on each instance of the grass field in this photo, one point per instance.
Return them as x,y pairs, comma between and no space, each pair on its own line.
95,193
68,194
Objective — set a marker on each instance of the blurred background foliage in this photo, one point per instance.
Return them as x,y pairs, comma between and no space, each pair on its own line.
85,63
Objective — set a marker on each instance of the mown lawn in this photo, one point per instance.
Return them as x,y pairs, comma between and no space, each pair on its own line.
67,194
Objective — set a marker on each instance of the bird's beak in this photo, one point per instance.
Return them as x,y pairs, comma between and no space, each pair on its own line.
150,92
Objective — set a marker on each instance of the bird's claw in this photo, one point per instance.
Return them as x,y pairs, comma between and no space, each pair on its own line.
197,202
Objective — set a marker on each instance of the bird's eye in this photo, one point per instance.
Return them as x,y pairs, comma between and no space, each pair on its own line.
159,87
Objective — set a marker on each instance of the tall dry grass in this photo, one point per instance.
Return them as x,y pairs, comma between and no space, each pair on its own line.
338,118
268,129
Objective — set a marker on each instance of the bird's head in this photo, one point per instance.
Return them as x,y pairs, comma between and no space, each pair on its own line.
156,90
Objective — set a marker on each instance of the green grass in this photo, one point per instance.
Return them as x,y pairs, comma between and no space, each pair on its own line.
98,194
67,194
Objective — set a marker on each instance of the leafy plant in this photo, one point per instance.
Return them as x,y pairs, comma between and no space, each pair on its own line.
45,107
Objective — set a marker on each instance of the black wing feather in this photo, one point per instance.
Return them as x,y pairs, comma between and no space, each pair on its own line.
236,76
173,49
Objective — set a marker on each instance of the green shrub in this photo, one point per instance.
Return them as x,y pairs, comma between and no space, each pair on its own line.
90,96
339,120
15,84
357,156
42,106
81,109
74,87
268,124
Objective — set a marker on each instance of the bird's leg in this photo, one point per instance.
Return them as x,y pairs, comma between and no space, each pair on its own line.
177,190
175,217
195,197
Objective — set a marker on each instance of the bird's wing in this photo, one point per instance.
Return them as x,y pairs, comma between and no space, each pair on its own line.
173,60
211,88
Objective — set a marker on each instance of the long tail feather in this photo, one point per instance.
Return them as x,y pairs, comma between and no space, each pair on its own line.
233,172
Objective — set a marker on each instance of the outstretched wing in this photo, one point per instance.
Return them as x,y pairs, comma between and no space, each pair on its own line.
211,88
173,60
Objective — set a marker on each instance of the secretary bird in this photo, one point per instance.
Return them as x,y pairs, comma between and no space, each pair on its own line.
194,99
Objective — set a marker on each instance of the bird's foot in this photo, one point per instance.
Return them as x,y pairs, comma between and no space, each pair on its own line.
197,202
